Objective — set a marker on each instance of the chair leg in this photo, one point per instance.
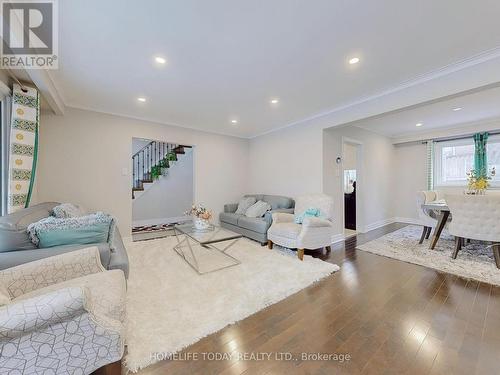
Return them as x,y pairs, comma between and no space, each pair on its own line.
496,253
428,234
424,233
270,244
328,249
458,247
300,254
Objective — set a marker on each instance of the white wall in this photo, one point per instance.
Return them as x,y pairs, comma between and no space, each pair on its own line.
83,153
374,185
410,172
169,196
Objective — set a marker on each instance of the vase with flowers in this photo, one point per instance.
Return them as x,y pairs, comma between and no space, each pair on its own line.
201,216
477,183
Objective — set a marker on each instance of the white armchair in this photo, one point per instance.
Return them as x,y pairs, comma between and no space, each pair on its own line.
313,233
63,314
428,218
475,217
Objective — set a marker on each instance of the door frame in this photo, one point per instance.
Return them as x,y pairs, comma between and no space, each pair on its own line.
360,223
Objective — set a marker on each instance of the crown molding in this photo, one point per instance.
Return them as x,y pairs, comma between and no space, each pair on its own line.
418,80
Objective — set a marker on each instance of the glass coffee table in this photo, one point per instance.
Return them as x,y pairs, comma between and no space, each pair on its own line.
206,250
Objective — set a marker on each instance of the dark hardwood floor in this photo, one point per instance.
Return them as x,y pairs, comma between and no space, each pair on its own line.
391,317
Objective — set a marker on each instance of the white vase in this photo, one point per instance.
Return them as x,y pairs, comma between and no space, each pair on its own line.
201,224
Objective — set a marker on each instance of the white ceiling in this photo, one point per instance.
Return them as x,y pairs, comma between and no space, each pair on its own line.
478,106
227,58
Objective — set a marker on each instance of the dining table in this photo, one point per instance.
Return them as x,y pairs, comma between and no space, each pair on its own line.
443,212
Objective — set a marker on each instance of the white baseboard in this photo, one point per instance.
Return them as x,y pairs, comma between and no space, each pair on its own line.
338,238
377,224
407,220
163,220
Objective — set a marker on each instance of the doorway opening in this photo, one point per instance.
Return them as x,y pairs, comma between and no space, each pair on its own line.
351,157
161,187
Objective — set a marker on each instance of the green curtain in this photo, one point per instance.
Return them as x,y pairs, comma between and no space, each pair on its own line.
480,154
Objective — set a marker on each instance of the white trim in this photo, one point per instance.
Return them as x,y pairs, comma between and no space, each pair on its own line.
164,220
407,220
337,238
377,224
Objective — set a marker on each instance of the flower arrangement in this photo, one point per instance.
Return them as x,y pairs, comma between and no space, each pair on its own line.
201,216
476,183
199,211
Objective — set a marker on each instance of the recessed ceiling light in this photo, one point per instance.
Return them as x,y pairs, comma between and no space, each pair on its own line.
457,109
141,99
419,124
354,60
234,121
274,101
160,60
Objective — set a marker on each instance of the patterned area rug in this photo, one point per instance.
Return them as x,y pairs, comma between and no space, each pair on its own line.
474,261
170,306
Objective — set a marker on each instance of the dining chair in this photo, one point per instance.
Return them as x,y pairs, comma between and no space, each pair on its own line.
428,218
475,217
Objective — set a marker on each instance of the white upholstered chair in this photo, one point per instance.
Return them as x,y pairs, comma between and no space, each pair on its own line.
313,233
62,315
427,218
475,217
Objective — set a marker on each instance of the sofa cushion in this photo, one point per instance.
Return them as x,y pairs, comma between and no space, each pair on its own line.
229,218
256,224
277,201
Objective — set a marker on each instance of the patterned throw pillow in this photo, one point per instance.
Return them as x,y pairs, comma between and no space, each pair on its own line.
244,204
65,210
258,209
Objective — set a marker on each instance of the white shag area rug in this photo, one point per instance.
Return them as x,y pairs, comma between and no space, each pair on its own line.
170,306
475,260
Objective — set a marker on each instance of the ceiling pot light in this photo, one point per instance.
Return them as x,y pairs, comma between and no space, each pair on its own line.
274,101
457,109
234,121
419,124
141,99
160,60
354,60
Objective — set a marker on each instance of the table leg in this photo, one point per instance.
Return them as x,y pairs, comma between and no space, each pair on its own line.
443,217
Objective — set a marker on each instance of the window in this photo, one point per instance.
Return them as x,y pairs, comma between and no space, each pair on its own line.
453,159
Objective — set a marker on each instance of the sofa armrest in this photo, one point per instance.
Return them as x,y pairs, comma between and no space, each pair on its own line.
119,258
230,208
316,222
31,276
33,314
268,217
281,217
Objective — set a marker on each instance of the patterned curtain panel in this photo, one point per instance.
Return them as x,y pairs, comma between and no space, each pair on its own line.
23,146
480,154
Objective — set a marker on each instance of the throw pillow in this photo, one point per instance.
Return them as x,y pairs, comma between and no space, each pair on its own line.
258,209
244,204
66,210
82,230
311,212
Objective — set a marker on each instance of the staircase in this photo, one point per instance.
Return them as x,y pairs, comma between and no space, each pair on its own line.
151,162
